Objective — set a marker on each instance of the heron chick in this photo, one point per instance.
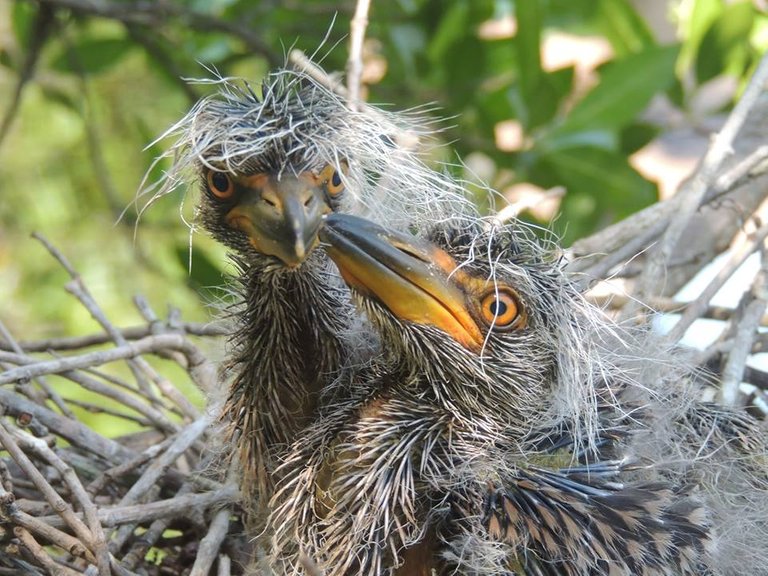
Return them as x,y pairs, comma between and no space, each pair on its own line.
498,432
269,164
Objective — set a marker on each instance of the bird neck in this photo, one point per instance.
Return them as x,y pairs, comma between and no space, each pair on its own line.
286,348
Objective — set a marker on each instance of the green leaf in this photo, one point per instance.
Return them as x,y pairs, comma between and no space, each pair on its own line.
694,27
623,27
626,86
92,55
724,47
451,28
635,136
22,17
527,42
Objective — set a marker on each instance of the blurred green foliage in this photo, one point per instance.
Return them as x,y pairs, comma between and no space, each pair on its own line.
97,85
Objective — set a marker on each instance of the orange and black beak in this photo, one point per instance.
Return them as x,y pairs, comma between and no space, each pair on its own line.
280,217
411,277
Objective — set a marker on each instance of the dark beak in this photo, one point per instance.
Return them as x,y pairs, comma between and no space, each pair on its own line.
410,277
281,217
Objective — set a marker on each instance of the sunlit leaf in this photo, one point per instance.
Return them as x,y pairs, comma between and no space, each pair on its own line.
724,48
624,28
626,87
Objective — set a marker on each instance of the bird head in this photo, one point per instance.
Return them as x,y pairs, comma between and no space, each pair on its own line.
483,307
276,215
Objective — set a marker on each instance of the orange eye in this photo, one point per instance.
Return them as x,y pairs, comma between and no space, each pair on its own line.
331,179
220,184
501,309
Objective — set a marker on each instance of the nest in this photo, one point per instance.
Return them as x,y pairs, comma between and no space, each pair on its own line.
72,500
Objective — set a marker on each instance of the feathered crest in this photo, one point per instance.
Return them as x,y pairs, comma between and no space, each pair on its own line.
296,124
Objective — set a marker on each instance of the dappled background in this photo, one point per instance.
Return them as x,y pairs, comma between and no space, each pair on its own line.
605,101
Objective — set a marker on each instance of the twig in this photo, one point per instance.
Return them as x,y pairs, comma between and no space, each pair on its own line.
697,308
184,439
157,14
225,566
299,60
150,345
93,385
98,483
692,193
130,333
179,507
39,554
210,545
733,371
56,501
355,61
71,430
64,541
597,254
50,392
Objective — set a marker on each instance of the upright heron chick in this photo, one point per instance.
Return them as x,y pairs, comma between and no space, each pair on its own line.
502,430
270,163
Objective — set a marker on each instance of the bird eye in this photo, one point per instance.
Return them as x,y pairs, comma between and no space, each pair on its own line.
331,179
500,308
220,185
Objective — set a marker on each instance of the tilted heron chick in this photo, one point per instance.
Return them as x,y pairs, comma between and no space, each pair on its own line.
270,164
496,433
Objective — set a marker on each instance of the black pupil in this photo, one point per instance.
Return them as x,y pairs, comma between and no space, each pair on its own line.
336,180
498,308
220,181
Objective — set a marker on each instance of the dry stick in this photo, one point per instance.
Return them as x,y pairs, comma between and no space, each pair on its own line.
98,543
139,366
637,230
39,554
184,439
130,333
50,392
692,193
93,385
300,61
73,431
225,566
355,62
733,371
78,289
178,507
64,541
98,483
144,308
211,543
699,306
617,300
155,531
56,501
94,409
150,344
